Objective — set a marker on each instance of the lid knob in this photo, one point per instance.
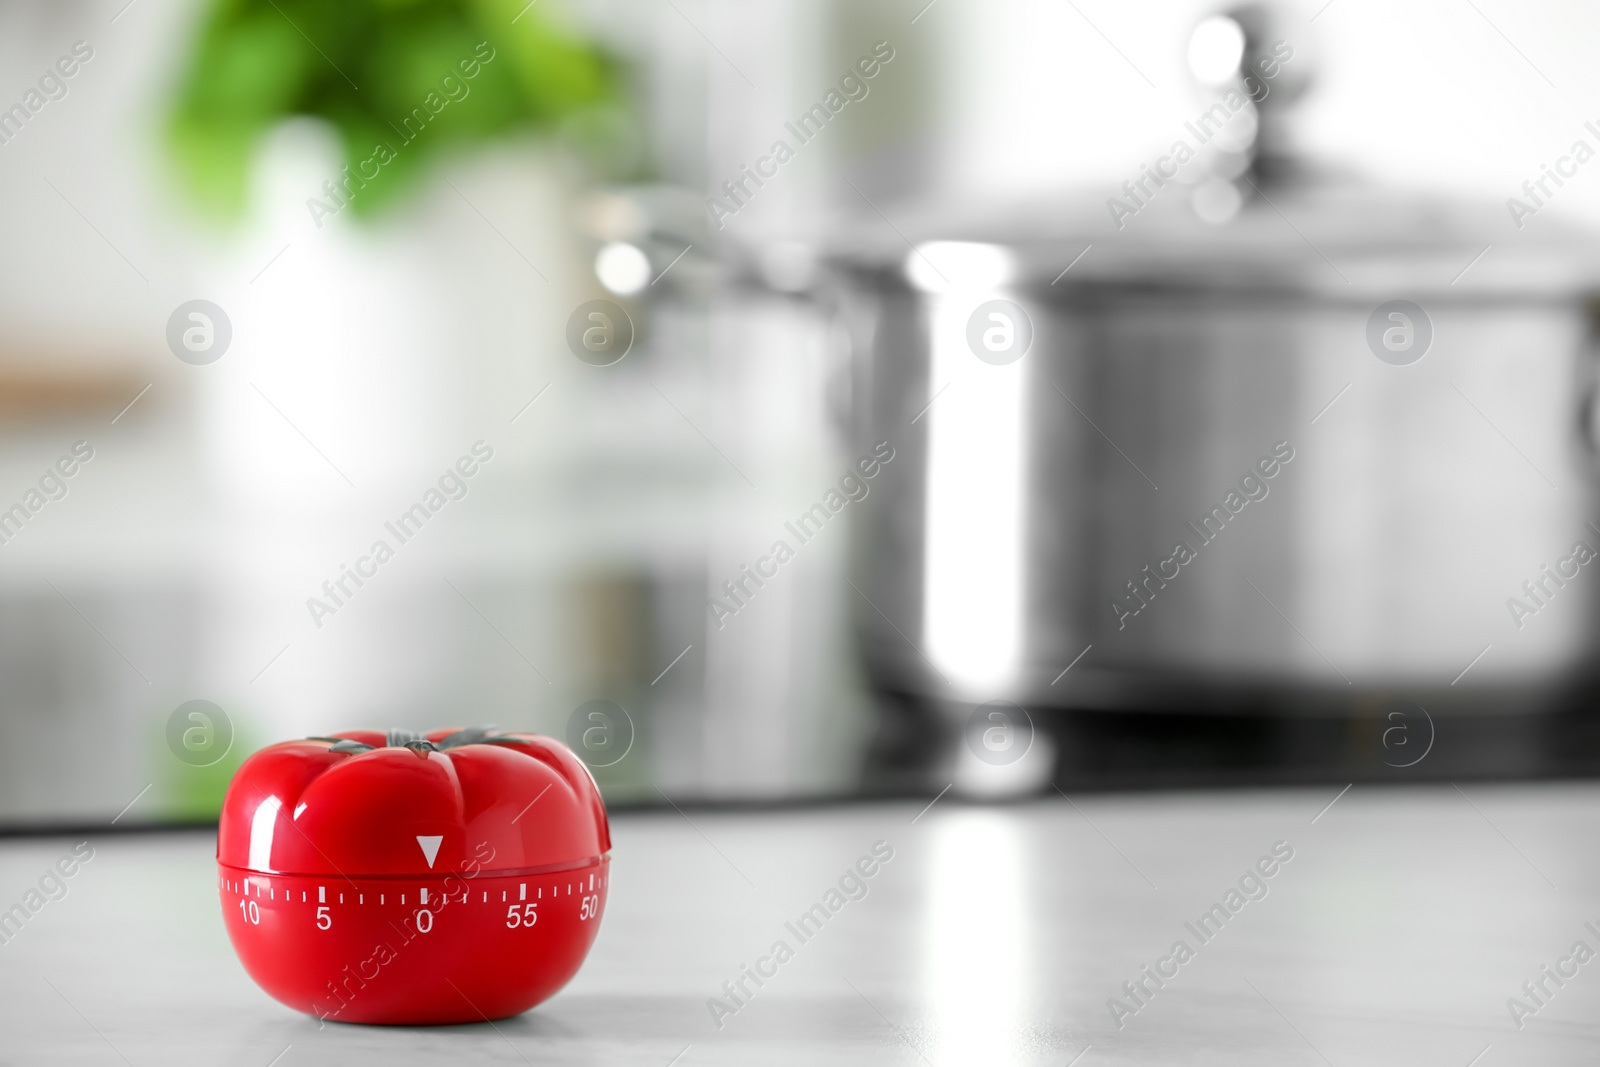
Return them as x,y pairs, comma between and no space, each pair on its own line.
1256,62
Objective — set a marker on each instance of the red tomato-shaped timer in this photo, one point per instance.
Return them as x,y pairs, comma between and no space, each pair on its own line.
405,878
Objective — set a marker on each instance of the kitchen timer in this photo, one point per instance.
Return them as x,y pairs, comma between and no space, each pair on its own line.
448,877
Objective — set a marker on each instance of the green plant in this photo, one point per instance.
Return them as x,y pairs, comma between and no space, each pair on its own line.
364,67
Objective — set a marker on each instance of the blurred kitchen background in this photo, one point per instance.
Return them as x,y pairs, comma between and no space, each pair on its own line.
773,348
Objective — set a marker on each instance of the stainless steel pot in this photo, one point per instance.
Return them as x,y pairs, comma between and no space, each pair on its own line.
1158,464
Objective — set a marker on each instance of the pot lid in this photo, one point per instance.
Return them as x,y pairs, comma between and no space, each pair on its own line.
1241,211
1316,235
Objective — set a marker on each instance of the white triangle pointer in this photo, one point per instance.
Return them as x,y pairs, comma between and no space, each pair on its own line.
430,847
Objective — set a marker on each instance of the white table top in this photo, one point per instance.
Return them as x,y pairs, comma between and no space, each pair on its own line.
1395,935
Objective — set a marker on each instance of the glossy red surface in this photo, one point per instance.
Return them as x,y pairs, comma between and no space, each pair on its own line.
413,883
